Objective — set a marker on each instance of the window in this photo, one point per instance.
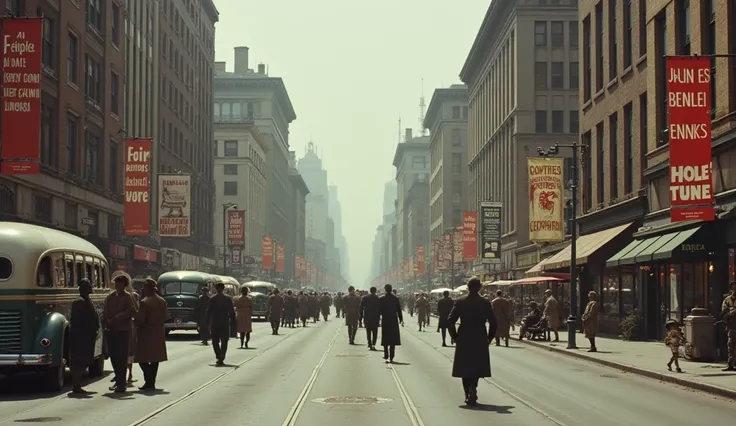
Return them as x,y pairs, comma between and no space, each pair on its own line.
558,75
114,96
558,33
72,141
6,268
574,36
48,135
42,208
613,148
683,16
92,80
612,42
114,168
115,24
70,215
540,33
628,148
457,163
456,137
72,59
587,58
600,166
558,122
231,148
599,46
419,162
574,121
588,172
465,113
231,188
94,15
628,31
574,75
660,40
456,113
540,75
92,149
230,169
642,27
50,41
540,121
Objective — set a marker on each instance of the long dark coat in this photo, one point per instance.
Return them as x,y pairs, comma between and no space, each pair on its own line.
370,311
150,320
390,311
84,324
472,358
444,307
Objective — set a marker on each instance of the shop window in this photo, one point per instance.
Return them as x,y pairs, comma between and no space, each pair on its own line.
610,293
674,273
628,293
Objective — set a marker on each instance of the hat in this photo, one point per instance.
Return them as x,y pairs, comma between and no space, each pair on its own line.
672,322
121,275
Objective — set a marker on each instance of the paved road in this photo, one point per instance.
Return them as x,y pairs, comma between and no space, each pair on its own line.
308,377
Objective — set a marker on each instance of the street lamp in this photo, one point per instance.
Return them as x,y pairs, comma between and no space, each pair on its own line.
572,318
225,208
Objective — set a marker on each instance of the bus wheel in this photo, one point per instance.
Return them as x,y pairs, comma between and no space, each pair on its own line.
54,376
98,367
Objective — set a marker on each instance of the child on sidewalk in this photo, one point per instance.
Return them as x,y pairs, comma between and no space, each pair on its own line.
674,339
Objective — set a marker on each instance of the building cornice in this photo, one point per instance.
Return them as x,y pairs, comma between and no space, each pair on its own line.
228,82
297,180
439,97
403,147
211,9
487,35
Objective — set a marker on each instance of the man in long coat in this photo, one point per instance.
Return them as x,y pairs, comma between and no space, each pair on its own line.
220,319
444,306
303,303
118,313
275,310
553,313
151,347
370,314
84,324
504,317
200,314
472,357
389,308
324,305
351,307
422,307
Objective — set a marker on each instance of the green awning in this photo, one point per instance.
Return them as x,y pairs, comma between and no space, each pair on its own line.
645,256
613,261
630,257
674,246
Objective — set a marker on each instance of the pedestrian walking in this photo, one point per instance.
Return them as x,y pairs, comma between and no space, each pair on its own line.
422,307
504,317
553,313
673,340
150,349
220,319
444,307
118,312
200,314
351,307
390,316
590,320
303,303
244,316
370,314
84,324
728,309
472,358
133,335
275,310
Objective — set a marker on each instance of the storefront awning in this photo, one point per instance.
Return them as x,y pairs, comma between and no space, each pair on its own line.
632,247
683,244
536,270
587,245
534,280
645,256
629,258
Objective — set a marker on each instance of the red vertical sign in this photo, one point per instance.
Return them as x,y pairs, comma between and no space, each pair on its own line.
21,113
420,260
470,236
266,252
280,260
689,130
137,186
236,228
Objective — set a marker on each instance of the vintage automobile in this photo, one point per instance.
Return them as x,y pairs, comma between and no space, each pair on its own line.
181,290
232,286
40,269
259,292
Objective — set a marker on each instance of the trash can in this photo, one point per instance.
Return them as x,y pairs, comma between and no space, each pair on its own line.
700,335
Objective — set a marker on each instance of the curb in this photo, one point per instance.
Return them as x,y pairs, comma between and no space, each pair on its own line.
712,389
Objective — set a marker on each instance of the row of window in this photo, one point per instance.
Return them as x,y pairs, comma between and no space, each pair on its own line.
542,125
43,211
236,111
66,270
552,75
556,35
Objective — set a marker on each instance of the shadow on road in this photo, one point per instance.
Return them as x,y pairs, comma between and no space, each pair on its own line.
29,386
500,409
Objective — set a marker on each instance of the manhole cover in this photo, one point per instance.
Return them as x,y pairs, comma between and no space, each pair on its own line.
609,376
351,400
39,420
352,355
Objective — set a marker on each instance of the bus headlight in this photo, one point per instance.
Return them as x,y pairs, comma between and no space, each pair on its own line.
45,342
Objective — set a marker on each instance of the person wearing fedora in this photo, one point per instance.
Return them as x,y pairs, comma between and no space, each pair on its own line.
118,313
673,340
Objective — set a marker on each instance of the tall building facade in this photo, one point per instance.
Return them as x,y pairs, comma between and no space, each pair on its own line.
383,241
509,117
300,191
186,69
80,187
411,160
447,121
334,209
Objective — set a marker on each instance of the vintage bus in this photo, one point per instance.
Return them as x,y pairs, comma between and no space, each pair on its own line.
181,290
40,269
232,286
259,292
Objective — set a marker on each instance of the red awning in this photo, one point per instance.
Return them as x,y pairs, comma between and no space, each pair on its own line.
535,280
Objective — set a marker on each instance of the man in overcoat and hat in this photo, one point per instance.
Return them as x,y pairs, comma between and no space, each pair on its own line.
118,314
370,313
84,324
390,315
151,347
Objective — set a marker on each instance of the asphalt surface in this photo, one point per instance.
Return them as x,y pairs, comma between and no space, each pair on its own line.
313,377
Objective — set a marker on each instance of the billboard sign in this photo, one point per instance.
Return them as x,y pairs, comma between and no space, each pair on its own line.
491,231
175,205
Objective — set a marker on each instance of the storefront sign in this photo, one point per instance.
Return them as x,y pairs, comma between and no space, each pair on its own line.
145,254
21,104
117,251
280,258
174,207
137,209
546,204
692,248
267,252
420,260
470,236
490,231
457,245
236,228
689,130
236,257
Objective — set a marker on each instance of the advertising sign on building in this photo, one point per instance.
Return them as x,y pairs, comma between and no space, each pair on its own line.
21,101
266,252
490,231
298,265
236,228
175,205
458,245
689,131
420,260
137,187
236,256
546,200
470,236
280,259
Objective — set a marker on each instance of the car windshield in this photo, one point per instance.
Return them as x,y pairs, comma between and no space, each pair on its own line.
264,289
180,287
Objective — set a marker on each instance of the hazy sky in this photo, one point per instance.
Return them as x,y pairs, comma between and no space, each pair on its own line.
352,69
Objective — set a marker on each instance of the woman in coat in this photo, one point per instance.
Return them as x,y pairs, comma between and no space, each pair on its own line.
590,320
244,316
472,358
150,349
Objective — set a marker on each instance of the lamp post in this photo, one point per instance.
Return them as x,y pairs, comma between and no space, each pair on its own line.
225,208
572,318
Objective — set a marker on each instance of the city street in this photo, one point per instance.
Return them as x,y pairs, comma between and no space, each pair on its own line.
312,376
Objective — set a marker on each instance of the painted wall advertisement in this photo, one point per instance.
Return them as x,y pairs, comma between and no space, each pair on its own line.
137,187
470,236
236,228
420,260
266,252
174,209
280,259
21,113
689,130
491,231
546,203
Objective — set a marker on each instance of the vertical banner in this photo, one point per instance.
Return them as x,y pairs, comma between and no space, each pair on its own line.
546,203
175,205
297,266
280,259
470,236
137,186
420,260
457,245
21,113
236,228
688,107
266,252
236,257
491,231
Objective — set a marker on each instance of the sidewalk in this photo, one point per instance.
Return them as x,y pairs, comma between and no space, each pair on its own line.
647,359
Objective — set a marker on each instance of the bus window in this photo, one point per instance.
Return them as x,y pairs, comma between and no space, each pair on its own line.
79,270
43,274
97,277
59,270
69,269
6,268
103,276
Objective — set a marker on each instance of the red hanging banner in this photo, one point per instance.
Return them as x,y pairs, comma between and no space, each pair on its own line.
420,260
137,186
236,228
470,236
266,252
280,260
